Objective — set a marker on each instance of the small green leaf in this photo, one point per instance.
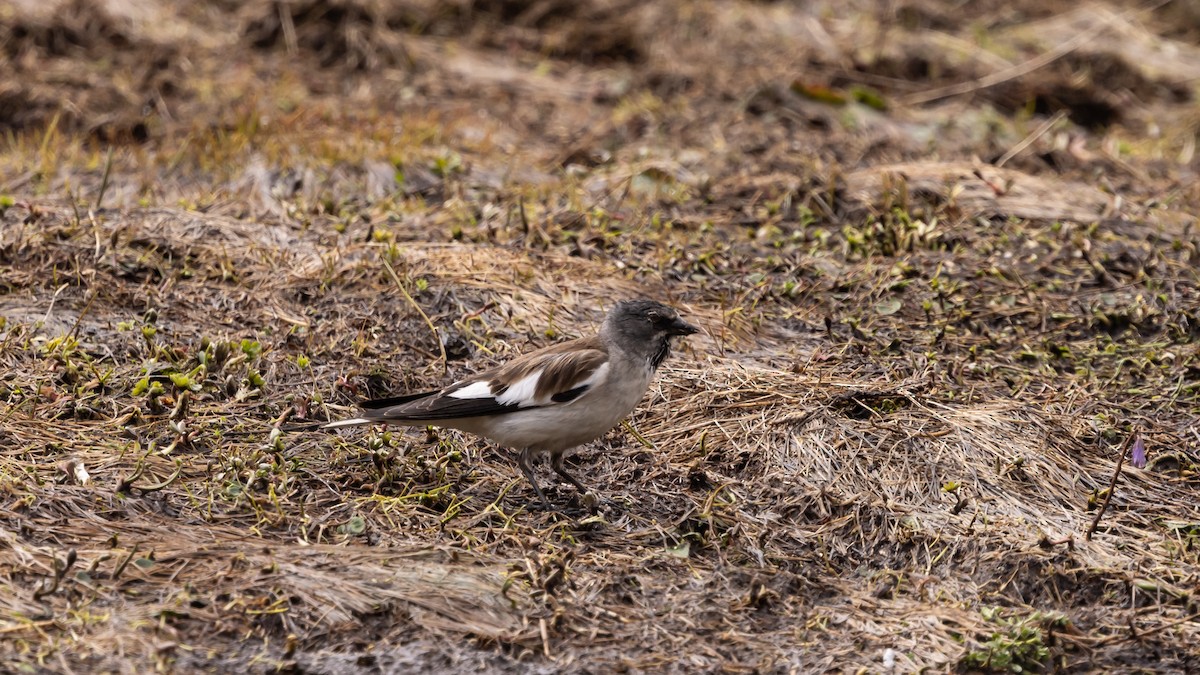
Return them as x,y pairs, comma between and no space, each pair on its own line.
251,348
888,307
683,550
869,98
355,526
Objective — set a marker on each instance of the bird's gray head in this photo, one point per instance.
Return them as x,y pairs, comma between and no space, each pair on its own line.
645,328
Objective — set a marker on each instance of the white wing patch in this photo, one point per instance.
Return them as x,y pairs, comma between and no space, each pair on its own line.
473,390
520,393
598,376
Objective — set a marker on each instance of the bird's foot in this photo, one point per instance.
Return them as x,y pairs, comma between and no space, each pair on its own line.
591,502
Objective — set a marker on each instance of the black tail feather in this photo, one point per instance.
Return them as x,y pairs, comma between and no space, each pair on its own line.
376,404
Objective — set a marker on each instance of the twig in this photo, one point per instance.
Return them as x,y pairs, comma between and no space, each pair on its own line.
1112,486
1112,639
163,484
1007,74
638,435
27,626
124,563
74,332
104,180
1029,140
126,484
1157,629
60,571
479,312
289,29
437,338
53,299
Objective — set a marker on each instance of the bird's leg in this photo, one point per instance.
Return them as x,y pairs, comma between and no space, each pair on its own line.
556,462
525,461
590,500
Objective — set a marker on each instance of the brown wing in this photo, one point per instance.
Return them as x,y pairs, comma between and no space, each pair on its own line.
550,376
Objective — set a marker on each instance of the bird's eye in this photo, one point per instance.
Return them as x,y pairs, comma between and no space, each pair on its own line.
653,317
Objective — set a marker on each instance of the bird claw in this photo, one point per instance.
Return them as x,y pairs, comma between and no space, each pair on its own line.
591,502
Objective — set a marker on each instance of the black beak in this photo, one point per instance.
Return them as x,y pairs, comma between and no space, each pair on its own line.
681,327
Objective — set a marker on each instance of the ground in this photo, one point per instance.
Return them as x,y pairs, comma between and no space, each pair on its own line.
944,255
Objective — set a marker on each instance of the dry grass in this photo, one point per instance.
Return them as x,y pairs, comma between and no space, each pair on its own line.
893,447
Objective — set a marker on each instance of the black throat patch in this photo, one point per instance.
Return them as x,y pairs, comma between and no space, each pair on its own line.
664,350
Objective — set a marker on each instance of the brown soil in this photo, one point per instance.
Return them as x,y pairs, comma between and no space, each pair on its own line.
944,254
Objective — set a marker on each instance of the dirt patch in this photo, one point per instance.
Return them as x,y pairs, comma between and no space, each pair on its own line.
367,35
96,67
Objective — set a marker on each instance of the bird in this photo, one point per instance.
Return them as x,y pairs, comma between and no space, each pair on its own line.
553,399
